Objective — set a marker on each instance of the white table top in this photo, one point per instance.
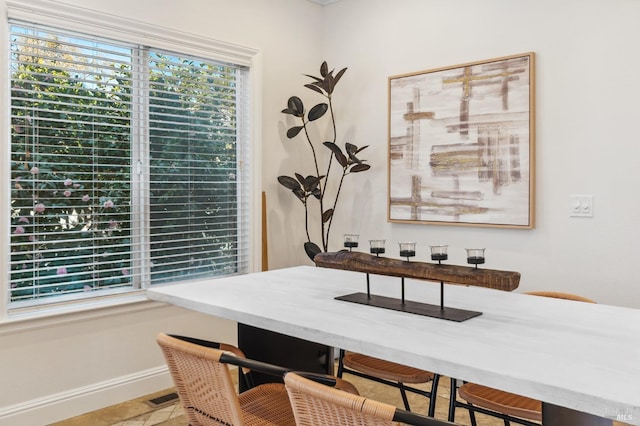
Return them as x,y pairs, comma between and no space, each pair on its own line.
577,355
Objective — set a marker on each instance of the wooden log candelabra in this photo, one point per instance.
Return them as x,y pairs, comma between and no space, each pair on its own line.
450,274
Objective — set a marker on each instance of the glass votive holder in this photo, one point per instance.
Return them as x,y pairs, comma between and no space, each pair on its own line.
351,240
376,247
439,253
407,250
475,256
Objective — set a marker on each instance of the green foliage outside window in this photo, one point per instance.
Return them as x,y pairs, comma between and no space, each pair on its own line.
70,214
201,137
71,197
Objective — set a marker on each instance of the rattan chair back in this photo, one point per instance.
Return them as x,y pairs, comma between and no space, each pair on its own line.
208,393
315,404
204,384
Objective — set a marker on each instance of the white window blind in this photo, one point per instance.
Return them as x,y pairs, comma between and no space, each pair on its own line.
128,165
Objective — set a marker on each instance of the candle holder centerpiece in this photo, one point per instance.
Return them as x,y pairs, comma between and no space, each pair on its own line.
439,253
407,250
475,256
372,264
376,247
351,241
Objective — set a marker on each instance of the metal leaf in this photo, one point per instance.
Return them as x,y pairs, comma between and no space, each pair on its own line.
311,249
317,111
317,79
338,153
360,168
351,148
289,182
314,87
300,178
332,146
293,132
338,76
300,194
324,69
327,215
296,105
326,85
311,183
354,159
332,82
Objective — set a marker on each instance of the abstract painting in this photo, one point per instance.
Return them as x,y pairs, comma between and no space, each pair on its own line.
461,144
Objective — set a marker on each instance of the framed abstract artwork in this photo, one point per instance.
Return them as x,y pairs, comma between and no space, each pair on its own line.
462,144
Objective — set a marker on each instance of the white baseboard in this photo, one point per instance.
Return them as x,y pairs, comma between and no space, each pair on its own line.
63,405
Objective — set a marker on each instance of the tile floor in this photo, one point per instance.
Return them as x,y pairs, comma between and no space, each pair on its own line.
139,412
171,415
136,412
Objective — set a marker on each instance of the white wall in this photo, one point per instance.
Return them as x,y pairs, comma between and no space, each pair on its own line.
57,369
65,366
587,128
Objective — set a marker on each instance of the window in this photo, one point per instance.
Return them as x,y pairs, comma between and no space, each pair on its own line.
129,166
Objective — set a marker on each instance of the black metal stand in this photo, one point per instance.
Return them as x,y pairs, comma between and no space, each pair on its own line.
425,309
402,305
368,287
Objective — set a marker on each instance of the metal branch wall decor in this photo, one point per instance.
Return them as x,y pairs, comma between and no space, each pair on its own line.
313,190
461,144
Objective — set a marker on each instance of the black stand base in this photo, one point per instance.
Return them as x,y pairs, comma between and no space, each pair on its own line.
425,309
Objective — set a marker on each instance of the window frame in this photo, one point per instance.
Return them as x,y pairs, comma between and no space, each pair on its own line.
103,25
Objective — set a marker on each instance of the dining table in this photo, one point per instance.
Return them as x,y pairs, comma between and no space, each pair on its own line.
581,360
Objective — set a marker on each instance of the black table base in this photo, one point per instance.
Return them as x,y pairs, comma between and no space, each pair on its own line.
283,350
553,415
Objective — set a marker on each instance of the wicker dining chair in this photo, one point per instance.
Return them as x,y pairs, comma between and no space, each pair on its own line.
208,394
507,406
315,404
391,374
244,372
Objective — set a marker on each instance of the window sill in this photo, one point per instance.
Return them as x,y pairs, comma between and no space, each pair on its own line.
51,316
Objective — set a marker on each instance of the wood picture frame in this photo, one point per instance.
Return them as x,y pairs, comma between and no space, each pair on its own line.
462,144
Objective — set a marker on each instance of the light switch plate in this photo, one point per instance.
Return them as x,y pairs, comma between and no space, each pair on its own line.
581,205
